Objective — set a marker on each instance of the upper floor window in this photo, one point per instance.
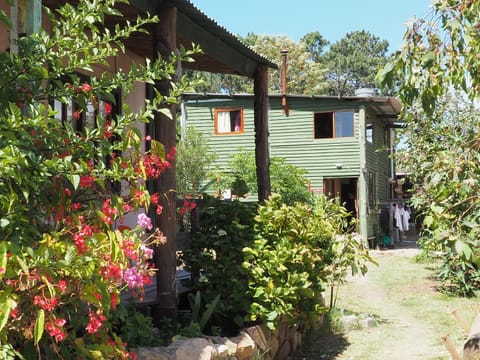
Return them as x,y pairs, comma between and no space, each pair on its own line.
229,121
335,124
369,133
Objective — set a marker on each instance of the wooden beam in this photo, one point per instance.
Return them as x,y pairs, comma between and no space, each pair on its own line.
262,156
165,131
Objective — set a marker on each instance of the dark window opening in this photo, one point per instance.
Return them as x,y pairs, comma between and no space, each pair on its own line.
333,124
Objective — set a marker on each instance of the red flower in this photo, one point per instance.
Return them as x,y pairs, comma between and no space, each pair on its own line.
55,329
86,87
86,181
45,303
108,108
62,284
108,211
76,114
171,154
95,322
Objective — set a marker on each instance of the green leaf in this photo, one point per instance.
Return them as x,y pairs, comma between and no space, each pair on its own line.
39,326
75,181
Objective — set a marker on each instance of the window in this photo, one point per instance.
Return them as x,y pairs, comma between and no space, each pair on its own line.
369,133
228,121
372,189
333,124
68,113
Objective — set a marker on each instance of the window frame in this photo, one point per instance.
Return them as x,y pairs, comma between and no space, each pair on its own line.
370,133
333,127
229,109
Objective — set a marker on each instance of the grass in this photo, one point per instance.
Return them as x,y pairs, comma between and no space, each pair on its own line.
402,295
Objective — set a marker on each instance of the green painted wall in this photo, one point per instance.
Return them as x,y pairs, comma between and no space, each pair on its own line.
292,137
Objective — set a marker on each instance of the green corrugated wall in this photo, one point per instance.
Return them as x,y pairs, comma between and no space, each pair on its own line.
291,137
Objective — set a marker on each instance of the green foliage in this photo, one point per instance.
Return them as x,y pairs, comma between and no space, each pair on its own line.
199,319
194,157
296,253
215,257
134,327
315,44
271,268
63,262
353,62
286,179
304,75
436,77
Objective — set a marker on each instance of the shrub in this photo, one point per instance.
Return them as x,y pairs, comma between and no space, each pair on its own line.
215,258
287,264
63,263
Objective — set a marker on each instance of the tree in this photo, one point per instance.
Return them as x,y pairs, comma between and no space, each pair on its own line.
315,44
287,180
305,75
436,76
193,159
354,61
63,258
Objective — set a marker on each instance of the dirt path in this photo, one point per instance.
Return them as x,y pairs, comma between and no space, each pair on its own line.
399,301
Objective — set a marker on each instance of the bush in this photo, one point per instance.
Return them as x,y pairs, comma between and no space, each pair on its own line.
273,266
63,262
287,264
215,258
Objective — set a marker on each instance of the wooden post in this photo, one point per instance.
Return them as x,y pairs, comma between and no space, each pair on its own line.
262,157
165,132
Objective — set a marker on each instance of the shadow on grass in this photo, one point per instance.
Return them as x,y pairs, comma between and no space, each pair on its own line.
319,345
330,340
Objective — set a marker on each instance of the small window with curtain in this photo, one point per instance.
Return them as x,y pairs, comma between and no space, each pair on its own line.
229,121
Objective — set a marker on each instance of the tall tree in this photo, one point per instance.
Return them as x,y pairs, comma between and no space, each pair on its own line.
305,75
354,61
437,78
315,44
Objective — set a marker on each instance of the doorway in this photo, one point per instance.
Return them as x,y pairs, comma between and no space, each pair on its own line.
346,190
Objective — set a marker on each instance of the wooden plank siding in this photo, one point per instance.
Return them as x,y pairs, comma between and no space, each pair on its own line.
292,137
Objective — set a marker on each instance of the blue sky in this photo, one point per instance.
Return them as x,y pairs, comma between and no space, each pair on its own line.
333,19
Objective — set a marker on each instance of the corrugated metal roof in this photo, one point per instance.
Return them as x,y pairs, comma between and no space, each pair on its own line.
199,17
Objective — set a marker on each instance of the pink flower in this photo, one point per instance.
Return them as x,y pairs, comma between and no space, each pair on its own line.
133,278
144,221
62,284
147,252
86,87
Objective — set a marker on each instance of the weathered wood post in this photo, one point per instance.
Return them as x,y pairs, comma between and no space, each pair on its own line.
165,132
262,157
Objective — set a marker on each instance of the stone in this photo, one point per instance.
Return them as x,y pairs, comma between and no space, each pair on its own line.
154,353
245,346
349,322
366,323
194,348
231,346
274,346
261,336
284,351
221,351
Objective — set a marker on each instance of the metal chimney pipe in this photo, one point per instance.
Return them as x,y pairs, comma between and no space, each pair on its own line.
284,81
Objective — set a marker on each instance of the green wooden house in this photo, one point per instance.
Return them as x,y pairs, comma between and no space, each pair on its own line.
344,144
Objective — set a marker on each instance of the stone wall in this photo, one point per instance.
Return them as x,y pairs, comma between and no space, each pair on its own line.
256,342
